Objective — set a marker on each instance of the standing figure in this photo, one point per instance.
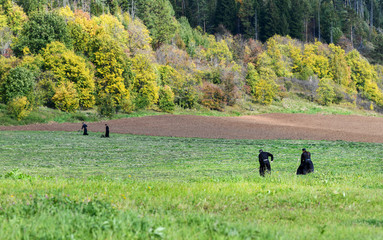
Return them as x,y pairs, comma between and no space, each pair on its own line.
106,130
264,164
85,127
306,165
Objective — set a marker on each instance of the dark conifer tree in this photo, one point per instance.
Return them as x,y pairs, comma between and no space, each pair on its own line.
270,20
296,19
226,14
284,17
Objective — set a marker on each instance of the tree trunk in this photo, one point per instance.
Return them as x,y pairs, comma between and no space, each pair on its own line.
371,17
255,24
319,37
306,25
133,10
352,41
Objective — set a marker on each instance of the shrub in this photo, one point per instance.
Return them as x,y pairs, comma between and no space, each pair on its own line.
19,82
45,89
19,107
187,97
166,99
261,85
106,106
213,97
325,92
265,92
16,174
66,97
230,90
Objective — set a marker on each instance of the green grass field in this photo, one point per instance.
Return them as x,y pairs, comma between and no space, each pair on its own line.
62,185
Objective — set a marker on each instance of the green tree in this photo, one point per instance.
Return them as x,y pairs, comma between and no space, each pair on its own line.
42,29
248,14
284,17
166,99
252,77
18,83
270,20
325,92
30,6
158,16
296,25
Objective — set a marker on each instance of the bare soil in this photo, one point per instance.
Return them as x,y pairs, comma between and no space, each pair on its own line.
264,126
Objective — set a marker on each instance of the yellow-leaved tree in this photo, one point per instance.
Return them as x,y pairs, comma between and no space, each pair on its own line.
16,17
315,59
276,57
364,77
261,84
112,71
66,97
139,40
340,71
81,28
218,52
19,107
113,28
144,85
67,66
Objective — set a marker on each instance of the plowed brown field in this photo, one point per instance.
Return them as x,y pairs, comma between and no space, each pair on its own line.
265,126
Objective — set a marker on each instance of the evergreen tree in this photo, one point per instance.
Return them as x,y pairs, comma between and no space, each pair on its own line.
296,19
270,20
284,16
247,13
330,30
30,6
158,16
225,14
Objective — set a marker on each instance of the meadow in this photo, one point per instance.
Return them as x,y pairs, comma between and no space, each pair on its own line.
63,185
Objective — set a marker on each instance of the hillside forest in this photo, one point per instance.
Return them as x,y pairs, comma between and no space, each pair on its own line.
125,55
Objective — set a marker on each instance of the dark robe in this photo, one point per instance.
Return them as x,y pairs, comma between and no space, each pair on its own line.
85,127
306,165
107,131
264,164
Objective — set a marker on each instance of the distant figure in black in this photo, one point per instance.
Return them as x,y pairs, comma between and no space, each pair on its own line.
85,127
106,130
306,165
264,164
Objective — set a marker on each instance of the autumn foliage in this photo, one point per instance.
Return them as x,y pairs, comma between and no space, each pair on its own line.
123,62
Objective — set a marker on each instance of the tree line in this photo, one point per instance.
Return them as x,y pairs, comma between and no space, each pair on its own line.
123,56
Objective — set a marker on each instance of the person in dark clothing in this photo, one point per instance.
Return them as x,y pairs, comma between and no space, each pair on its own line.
106,130
264,164
306,165
85,127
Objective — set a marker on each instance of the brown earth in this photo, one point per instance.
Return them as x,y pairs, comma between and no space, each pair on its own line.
265,126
